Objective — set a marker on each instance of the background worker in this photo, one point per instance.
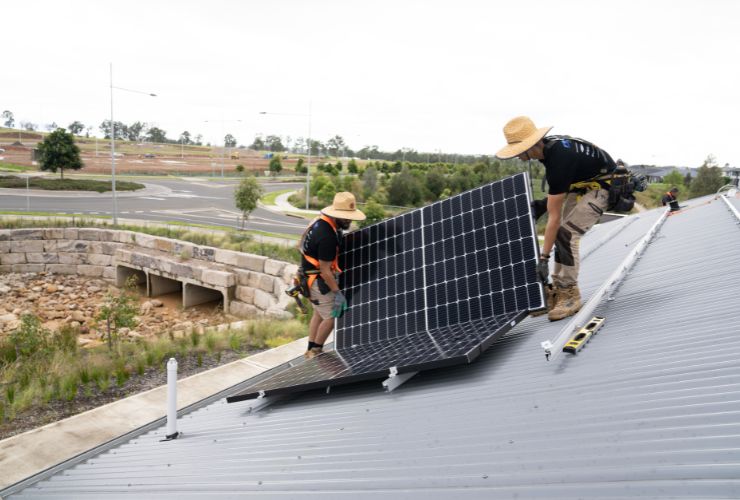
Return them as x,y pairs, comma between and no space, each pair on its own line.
671,198
575,201
319,249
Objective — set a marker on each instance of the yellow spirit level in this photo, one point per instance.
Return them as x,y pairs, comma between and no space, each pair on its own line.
578,341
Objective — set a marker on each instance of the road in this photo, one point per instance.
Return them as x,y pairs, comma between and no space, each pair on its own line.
189,200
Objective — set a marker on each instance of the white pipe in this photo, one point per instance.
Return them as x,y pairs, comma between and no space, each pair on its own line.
171,399
555,346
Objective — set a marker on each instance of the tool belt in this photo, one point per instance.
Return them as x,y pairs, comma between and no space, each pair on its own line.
621,185
304,279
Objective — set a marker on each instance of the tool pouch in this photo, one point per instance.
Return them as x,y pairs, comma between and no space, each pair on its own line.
621,194
301,279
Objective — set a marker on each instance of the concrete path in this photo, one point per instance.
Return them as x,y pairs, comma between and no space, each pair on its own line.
29,453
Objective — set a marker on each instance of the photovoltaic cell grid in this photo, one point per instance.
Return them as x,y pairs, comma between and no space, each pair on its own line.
429,288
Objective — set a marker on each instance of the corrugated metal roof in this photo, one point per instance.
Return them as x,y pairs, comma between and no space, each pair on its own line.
649,408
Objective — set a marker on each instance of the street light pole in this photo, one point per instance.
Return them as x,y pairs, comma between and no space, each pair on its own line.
308,168
113,152
113,143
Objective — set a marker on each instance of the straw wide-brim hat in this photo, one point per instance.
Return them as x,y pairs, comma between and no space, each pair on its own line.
344,207
521,134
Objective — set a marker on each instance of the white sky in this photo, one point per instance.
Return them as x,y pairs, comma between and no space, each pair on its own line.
652,82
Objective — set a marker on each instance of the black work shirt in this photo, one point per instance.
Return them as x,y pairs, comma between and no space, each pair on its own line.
321,242
569,160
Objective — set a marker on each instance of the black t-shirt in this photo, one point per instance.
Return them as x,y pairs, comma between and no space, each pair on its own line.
321,243
568,160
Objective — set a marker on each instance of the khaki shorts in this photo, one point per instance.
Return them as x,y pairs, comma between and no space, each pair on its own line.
325,302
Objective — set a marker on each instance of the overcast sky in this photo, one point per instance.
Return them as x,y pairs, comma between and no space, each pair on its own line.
652,82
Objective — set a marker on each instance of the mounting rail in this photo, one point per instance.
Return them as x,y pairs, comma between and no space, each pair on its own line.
553,348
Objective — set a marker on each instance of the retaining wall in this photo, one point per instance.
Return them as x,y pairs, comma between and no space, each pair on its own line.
250,285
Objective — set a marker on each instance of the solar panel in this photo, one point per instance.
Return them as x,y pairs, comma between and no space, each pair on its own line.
429,288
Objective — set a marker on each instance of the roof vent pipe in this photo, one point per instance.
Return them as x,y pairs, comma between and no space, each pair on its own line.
172,400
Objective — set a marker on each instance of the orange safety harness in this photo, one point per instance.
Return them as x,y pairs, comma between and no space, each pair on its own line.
313,260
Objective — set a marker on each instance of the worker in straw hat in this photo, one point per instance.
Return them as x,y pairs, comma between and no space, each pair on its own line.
319,249
575,201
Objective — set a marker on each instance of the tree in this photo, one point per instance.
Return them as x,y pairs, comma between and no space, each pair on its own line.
299,168
199,140
9,118
687,180
121,130
156,134
369,181
119,311
316,147
436,181
708,179
76,127
674,178
274,143
52,126
239,168
276,166
59,151
30,126
326,193
136,131
352,166
246,195
258,144
405,189
185,137
373,212
229,141
335,144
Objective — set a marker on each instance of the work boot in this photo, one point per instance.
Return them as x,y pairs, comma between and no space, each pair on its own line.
551,300
313,352
568,303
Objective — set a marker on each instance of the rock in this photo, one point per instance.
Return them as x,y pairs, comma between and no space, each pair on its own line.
74,324
72,307
51,288
157,303
36,289
84,329
134,334
7,318
123,330
4,289
146,307
78,316
17,311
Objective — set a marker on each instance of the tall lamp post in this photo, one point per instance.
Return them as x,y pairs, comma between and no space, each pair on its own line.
113,142
308,168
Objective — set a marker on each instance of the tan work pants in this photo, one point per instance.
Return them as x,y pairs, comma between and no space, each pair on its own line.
580,213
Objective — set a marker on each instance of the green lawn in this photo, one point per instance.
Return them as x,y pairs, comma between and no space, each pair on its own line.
66,184
12,167
269,198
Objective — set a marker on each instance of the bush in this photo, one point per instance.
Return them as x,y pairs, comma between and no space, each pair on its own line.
30,338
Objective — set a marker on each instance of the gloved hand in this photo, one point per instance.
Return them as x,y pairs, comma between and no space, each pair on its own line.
543,268
539,208
340,305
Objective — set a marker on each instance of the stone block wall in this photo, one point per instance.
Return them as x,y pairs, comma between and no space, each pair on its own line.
252,285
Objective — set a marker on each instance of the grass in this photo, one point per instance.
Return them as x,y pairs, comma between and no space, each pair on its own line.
269,198
59,372
12,167
66,184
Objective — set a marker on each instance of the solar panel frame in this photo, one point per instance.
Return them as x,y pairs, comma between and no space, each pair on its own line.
420,279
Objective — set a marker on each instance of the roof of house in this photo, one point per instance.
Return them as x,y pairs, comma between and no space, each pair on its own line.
649,408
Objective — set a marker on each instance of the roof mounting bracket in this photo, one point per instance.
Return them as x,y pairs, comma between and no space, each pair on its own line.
395,379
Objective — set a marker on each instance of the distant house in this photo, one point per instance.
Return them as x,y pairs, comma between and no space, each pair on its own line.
733,173
656,174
